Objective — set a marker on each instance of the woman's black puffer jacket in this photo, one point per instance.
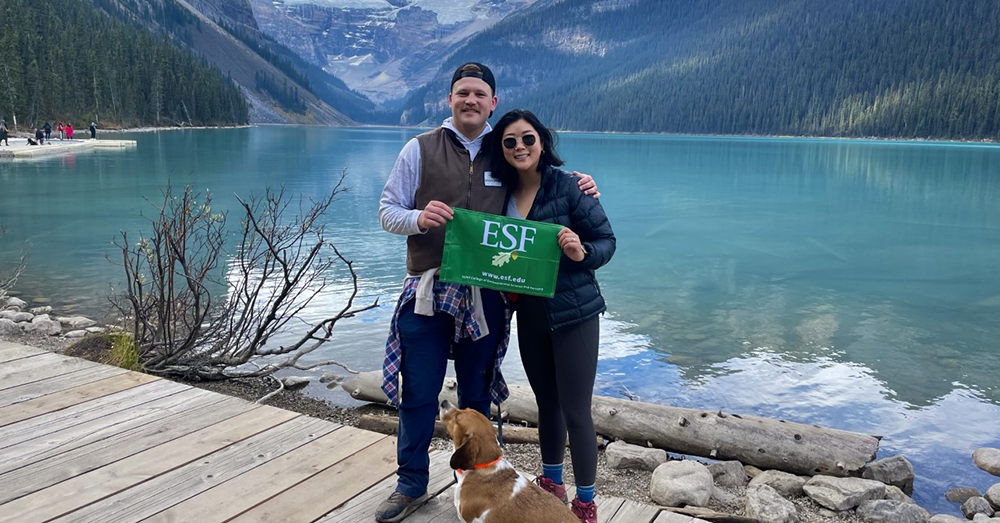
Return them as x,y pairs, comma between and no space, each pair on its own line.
559,200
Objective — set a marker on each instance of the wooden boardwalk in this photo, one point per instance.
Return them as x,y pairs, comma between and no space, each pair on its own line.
85,442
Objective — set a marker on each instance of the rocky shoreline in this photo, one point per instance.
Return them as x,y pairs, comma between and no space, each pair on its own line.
627,471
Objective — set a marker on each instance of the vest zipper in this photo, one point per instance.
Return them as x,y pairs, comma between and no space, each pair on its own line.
468,201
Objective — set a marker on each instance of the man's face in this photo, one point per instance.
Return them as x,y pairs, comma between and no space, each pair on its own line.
471,101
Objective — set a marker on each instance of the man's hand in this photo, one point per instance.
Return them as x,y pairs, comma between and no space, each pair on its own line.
570,244
587,184
436,214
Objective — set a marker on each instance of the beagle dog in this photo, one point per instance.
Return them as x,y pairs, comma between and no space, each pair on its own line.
489,490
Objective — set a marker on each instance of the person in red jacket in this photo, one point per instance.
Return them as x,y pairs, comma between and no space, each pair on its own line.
69,131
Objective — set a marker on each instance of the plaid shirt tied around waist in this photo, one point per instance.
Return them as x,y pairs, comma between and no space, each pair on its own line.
456,300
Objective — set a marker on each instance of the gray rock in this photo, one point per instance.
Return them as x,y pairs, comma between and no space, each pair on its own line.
293,382
81,333
41,318
888,511
728,474
993,496
49,327
960,494
764,503
725,498
40,310
8,327
623,455
891,471
946,518
678,483
987,459
23,316
843,493
77,322
894,493
8,315
977,505
983,518
16,302
96,330
788,485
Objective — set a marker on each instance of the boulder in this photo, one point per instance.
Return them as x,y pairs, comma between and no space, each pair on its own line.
623,455
891,471
16,302
728,474
888,511
79,334
960,494
788,485
40,310
987,459
291,382
983,518
725,498
896,494
77,322
679,483
977,505
993,496
766,504
23,316
8,327
8,315
945,518
49,327
41,318
96,330
842,493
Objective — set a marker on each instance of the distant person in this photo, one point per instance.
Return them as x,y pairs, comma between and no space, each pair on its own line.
31,142
4,132
93,131
48,130
62,130
69,131
40,136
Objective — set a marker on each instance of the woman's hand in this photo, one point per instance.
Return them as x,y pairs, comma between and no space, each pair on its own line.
569,242
587,184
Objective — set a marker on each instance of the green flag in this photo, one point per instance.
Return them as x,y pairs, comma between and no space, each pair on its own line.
505,254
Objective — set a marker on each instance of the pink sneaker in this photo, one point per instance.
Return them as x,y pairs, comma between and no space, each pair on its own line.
557,489
587,512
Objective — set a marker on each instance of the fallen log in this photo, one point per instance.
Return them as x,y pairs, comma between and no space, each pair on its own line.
762,442
390,425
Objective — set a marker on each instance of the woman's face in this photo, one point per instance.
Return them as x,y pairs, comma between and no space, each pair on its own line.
522,148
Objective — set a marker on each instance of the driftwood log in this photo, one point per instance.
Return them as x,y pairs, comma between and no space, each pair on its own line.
390,424
762,442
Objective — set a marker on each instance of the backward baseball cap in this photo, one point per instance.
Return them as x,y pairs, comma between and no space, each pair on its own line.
469,70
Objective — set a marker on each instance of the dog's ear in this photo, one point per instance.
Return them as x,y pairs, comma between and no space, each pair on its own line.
465,454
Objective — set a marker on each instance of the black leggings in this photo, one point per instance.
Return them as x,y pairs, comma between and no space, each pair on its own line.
561,366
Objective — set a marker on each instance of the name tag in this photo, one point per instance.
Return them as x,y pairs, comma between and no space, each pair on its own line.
490,181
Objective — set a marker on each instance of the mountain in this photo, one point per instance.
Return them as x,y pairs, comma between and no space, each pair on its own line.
225,34
381,48
65,60
896,68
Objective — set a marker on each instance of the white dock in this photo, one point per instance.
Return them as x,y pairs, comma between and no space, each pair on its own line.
19,148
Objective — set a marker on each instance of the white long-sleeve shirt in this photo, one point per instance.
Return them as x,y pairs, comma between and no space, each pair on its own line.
396,210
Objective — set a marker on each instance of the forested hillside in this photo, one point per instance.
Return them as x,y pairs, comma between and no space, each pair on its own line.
66,60
898,68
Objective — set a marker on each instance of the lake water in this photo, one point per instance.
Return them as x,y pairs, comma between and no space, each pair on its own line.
850,284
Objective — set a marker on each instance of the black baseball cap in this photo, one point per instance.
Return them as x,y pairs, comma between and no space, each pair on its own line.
483,74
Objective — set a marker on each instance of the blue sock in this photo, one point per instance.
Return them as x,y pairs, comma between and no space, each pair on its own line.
586,494
553,472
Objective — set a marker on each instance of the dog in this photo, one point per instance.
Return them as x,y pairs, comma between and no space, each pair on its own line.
489,490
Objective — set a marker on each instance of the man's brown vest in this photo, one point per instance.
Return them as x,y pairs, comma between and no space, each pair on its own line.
448,175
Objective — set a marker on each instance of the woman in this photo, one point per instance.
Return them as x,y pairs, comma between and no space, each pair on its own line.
558,337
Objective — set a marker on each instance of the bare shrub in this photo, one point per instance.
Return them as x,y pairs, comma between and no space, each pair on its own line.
9,275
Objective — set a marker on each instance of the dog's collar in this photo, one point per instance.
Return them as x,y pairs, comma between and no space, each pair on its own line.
482,465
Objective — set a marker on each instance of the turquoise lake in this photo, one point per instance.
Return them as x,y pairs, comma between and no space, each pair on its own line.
851,284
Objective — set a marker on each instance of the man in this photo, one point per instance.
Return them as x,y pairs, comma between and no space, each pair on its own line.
434,320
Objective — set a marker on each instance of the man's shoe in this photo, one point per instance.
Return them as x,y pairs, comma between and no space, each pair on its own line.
397,507
556,489
587,512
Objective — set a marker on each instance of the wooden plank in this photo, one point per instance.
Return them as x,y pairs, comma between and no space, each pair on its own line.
75,436
13,352
34,368
21,423
270,479
329,489
632,512
607,506
55,384
52,470
673,517
362,507
71,397
440,509
112,481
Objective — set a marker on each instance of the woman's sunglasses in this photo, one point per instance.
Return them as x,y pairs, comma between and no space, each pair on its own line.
528,140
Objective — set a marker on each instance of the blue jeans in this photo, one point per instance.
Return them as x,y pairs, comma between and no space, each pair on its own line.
427,343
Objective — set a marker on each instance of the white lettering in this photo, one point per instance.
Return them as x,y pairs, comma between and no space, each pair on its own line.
487,233
510,236
526,238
